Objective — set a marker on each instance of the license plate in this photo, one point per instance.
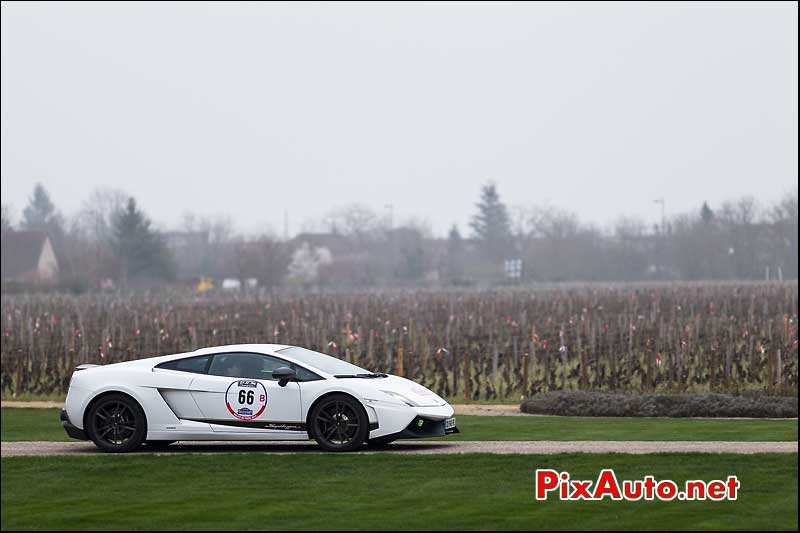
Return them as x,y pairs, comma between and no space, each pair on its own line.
450,423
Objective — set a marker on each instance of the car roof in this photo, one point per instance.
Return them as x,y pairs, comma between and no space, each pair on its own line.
268,349
257,348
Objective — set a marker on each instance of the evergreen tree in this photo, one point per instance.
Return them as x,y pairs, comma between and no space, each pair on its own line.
706,213
454,240
491,224
455,250
40,213
140,250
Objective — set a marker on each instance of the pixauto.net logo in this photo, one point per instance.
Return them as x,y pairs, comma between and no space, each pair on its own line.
607,486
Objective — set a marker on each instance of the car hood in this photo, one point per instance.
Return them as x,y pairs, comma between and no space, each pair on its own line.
415,392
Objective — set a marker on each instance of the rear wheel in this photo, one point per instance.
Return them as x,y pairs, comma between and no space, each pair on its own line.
339,423
116,424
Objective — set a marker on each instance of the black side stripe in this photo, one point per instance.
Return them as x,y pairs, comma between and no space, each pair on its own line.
283,426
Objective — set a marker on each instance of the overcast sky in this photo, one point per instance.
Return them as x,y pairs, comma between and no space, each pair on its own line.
250,109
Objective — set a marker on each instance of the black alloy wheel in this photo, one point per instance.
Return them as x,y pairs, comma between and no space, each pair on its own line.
339,423
116,424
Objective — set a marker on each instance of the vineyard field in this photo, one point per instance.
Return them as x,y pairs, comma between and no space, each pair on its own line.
465,345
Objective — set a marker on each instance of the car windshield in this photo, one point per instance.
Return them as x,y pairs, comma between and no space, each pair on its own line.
326,363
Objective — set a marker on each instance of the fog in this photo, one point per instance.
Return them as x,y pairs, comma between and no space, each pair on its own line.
254,110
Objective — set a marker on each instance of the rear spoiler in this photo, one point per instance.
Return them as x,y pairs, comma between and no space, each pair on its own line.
84,367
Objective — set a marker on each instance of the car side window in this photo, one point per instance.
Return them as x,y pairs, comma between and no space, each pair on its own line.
253,366
196,365
303,374
244,365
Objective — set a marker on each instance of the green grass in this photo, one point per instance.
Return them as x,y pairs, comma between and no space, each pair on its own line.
31,424
586,428
324,491
43,424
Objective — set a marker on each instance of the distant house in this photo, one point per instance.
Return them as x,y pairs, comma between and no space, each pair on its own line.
28,257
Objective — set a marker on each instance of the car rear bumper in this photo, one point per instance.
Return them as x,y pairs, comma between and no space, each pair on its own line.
73,431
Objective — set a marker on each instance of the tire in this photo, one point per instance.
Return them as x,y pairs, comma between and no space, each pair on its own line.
380,442
158,444
339,423
116,424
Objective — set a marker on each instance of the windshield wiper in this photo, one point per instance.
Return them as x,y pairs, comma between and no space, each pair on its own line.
363,376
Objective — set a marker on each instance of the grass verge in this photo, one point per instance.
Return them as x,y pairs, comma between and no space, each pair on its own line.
478,491
43,424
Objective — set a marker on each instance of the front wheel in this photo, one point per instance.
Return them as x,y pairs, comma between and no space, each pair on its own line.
116,424
339,423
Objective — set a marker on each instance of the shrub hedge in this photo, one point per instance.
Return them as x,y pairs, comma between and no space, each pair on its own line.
713,405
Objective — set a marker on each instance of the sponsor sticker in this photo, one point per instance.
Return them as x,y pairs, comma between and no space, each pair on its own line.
246,399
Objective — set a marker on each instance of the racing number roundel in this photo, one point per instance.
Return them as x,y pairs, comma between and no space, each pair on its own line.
246,399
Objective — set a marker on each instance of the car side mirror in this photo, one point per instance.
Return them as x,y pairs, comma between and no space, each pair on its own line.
284,375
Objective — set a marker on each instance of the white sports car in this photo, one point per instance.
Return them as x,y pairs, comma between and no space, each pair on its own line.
248,392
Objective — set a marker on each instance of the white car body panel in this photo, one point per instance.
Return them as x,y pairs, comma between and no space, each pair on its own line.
181,405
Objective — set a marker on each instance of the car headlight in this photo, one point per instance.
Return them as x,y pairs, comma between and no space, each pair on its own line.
400,397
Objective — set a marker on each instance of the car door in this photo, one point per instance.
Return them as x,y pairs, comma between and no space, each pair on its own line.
174,379
239,395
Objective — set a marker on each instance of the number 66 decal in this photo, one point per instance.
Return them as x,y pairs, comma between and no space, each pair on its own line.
246,399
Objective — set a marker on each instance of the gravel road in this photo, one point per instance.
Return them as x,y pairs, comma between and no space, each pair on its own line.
32,405
38,448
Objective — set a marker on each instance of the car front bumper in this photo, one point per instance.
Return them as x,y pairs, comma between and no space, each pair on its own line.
73,431
422,427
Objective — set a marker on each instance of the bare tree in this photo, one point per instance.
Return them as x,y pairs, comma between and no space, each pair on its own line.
783,218
98,211
629,251
739,219
355,221
272,260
